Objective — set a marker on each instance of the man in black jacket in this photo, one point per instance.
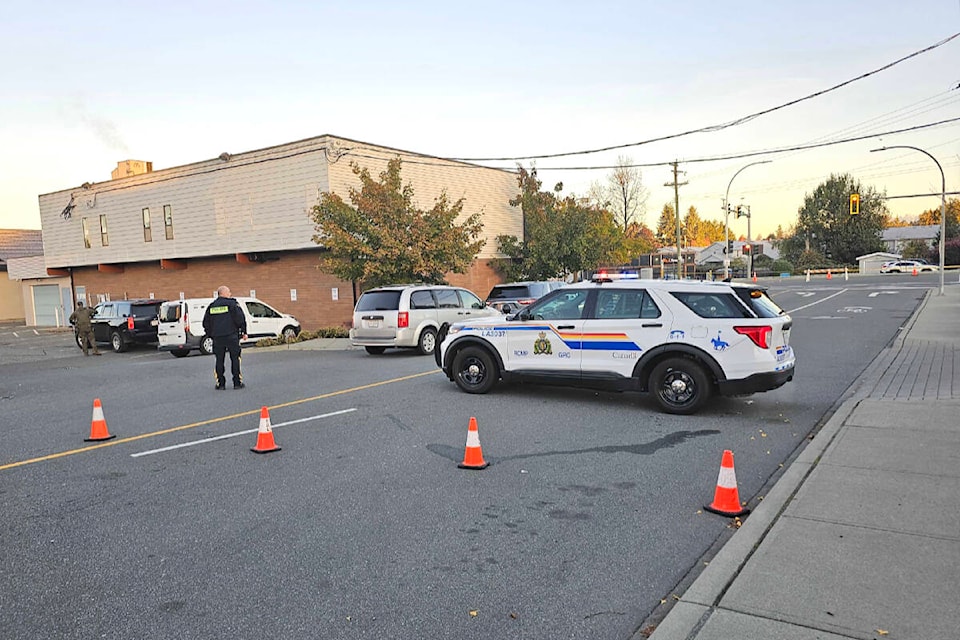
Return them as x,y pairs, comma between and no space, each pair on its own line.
225,322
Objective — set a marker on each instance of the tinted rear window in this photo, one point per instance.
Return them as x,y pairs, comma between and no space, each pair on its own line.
379,301
141,310
509,293
712,305
760,303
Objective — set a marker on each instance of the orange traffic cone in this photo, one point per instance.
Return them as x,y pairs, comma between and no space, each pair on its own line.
754,276
473,455
98,426
726,500
914,271
829,275
265,442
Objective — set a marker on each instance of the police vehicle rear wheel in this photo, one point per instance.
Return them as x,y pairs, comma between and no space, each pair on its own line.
679,385
475,370
427,342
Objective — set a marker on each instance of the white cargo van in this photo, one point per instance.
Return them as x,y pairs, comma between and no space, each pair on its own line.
180,328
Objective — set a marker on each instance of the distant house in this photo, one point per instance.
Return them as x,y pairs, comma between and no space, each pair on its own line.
870,263
896,238
16,243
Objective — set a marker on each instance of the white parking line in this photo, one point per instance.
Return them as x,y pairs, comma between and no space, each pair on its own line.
818,301
237,433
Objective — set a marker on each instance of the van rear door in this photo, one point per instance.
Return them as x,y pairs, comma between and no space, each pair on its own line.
171,331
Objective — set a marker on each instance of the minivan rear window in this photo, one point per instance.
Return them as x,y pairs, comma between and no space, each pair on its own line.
498,293
379,301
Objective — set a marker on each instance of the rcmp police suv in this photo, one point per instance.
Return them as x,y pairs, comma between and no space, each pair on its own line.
680,340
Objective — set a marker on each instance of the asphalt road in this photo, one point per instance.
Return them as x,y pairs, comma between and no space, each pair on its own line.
363,526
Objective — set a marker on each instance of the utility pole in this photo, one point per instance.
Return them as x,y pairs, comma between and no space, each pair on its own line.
676,203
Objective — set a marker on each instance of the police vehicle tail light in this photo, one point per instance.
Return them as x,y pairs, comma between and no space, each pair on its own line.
130,323
758,335
403,320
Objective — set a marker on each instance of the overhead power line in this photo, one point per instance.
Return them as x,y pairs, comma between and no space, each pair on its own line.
719,127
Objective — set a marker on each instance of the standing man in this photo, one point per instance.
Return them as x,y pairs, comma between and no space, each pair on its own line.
225,322
81,320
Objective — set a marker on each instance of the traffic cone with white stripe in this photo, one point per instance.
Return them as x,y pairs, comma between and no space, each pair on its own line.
726,499
265,442
98,425
473,455
829,275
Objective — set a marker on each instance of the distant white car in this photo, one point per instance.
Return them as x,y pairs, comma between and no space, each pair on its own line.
907,266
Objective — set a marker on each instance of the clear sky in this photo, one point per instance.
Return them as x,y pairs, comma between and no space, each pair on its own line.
86,84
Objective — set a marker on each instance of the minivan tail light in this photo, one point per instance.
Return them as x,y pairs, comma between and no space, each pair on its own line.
130,323
403,320
758,335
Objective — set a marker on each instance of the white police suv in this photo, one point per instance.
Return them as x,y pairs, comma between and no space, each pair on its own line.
680,340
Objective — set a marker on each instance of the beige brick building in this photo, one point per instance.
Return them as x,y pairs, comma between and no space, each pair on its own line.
243,220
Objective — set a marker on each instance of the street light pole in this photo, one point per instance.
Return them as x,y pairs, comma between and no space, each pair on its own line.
726,218
943,203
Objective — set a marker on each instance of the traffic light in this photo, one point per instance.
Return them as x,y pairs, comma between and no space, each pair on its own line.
729,248
741,210
854,204
746,248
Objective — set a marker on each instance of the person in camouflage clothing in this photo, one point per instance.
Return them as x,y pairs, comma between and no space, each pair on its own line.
81,320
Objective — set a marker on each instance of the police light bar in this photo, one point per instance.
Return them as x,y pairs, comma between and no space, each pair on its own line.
603,276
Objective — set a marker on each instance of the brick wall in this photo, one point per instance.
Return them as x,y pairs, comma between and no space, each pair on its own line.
272,282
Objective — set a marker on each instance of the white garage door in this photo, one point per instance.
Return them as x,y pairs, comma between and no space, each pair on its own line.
46,304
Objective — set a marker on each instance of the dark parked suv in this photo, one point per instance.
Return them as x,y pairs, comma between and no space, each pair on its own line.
513,296
126,322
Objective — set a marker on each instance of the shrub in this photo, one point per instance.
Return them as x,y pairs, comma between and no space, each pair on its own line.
322,332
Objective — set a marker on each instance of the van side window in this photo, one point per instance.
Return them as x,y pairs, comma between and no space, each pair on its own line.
260,310
422,300
469,300
447,298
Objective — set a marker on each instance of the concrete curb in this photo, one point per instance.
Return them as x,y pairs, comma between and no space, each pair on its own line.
702,597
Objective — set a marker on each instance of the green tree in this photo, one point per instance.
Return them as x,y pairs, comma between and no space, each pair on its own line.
561,235
932,216
384,238
915,249
667,227
826,231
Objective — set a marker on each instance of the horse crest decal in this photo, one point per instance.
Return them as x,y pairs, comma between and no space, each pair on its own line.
542,345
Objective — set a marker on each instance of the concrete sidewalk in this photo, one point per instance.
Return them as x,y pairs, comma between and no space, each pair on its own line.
860,538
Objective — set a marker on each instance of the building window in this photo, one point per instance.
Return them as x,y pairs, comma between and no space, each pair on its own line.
86,233
104,240
168,221
147,235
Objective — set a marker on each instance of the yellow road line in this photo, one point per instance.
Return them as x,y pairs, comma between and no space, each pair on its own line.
256,412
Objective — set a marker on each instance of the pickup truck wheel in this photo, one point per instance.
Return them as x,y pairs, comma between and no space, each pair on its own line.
428,341
680,386
116,341
474,370
206,345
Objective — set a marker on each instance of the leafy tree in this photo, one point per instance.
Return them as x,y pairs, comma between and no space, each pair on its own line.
561,235
916,249
622,193
699,232
825,230
383,238
932,216
667,227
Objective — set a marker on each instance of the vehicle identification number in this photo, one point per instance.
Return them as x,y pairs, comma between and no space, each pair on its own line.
493,333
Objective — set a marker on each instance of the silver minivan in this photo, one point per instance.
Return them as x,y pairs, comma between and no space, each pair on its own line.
409,316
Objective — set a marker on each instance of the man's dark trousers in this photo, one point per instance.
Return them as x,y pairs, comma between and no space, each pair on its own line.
222,345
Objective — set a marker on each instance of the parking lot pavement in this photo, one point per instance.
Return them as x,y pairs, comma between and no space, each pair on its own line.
21,344
860,538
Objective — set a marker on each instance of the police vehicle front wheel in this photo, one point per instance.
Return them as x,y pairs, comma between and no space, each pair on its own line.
679,385
475,370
